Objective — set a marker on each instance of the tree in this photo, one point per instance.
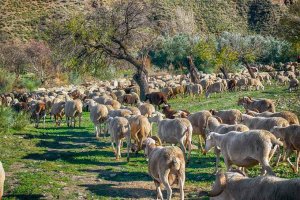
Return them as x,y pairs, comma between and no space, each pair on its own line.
122,32
39,55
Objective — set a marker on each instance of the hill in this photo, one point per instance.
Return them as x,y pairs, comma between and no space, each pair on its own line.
21,18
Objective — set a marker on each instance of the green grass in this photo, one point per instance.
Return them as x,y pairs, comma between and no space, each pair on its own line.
51,163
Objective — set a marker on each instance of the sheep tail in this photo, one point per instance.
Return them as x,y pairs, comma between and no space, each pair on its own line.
176,163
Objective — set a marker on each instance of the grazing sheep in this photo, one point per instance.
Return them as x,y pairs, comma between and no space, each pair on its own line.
235,185
38,111
245,149
260,105
255,83
293,84
282,80
166,166
98,115
114,103
172,114
146,109
174,131
231,85
213,125
291,137
156,98
2,179
140,130
264,123
178,90
198,121
119,128
168,92
134,110
289,116
57,110
73,108
131,99
194,89
232,116
119,113
217,87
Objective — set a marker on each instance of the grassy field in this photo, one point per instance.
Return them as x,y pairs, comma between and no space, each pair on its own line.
63,163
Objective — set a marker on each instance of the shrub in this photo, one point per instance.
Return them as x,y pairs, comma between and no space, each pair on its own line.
11,120
6,81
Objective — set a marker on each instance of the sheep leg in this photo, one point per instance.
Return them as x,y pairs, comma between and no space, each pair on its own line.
96,131
217,152
297,161
289,151
158,190
113,147
79,119
119,144
200,143
183,149
181,185
165,182
266,167
273,152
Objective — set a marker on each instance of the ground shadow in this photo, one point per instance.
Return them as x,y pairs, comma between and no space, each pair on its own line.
25,197
113,191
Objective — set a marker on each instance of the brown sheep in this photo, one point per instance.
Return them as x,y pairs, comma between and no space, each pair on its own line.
156,98
178,90
231,85
260,105
172,114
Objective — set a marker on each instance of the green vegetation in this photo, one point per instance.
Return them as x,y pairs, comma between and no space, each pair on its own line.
71,164
11,120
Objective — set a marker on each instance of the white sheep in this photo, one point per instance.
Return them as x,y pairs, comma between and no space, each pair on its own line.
98,115
2,179
73,108
174,131
119,128
166,166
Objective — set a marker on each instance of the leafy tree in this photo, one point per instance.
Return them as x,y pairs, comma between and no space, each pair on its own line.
122,32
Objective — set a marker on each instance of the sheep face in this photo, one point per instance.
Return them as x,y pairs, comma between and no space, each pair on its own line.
276,131
210,142
148,143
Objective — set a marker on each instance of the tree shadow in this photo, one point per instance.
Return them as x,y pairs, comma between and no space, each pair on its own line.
123,176
25,196
113,191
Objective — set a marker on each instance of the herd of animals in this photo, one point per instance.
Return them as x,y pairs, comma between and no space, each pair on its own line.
244,140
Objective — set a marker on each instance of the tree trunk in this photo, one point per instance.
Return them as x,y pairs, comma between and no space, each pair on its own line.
249,70
142,80
223,70
193,71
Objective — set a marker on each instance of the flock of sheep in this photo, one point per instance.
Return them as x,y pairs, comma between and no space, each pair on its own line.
244,140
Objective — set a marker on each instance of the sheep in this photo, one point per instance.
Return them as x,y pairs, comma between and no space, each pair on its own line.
134,110
260,105
38,111
178,90
166,166
264,123
119,128
114,103
242,83
2,179
232,116
235,185
140,130
119,113
205,83
217,87
282,80
156,98
130,99
57,110
73,108
245,149
194,89
256,83
213,125
98,115
231,85
168,92
293,84
146,109
198,121
174,131
171,114
291,137
289,116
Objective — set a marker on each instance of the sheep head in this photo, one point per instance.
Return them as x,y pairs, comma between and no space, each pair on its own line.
219,185
210,142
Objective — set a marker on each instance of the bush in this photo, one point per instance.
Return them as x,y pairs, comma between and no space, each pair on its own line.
30,83
11,120
6,81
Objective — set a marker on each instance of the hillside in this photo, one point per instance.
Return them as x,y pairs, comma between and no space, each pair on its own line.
21,18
